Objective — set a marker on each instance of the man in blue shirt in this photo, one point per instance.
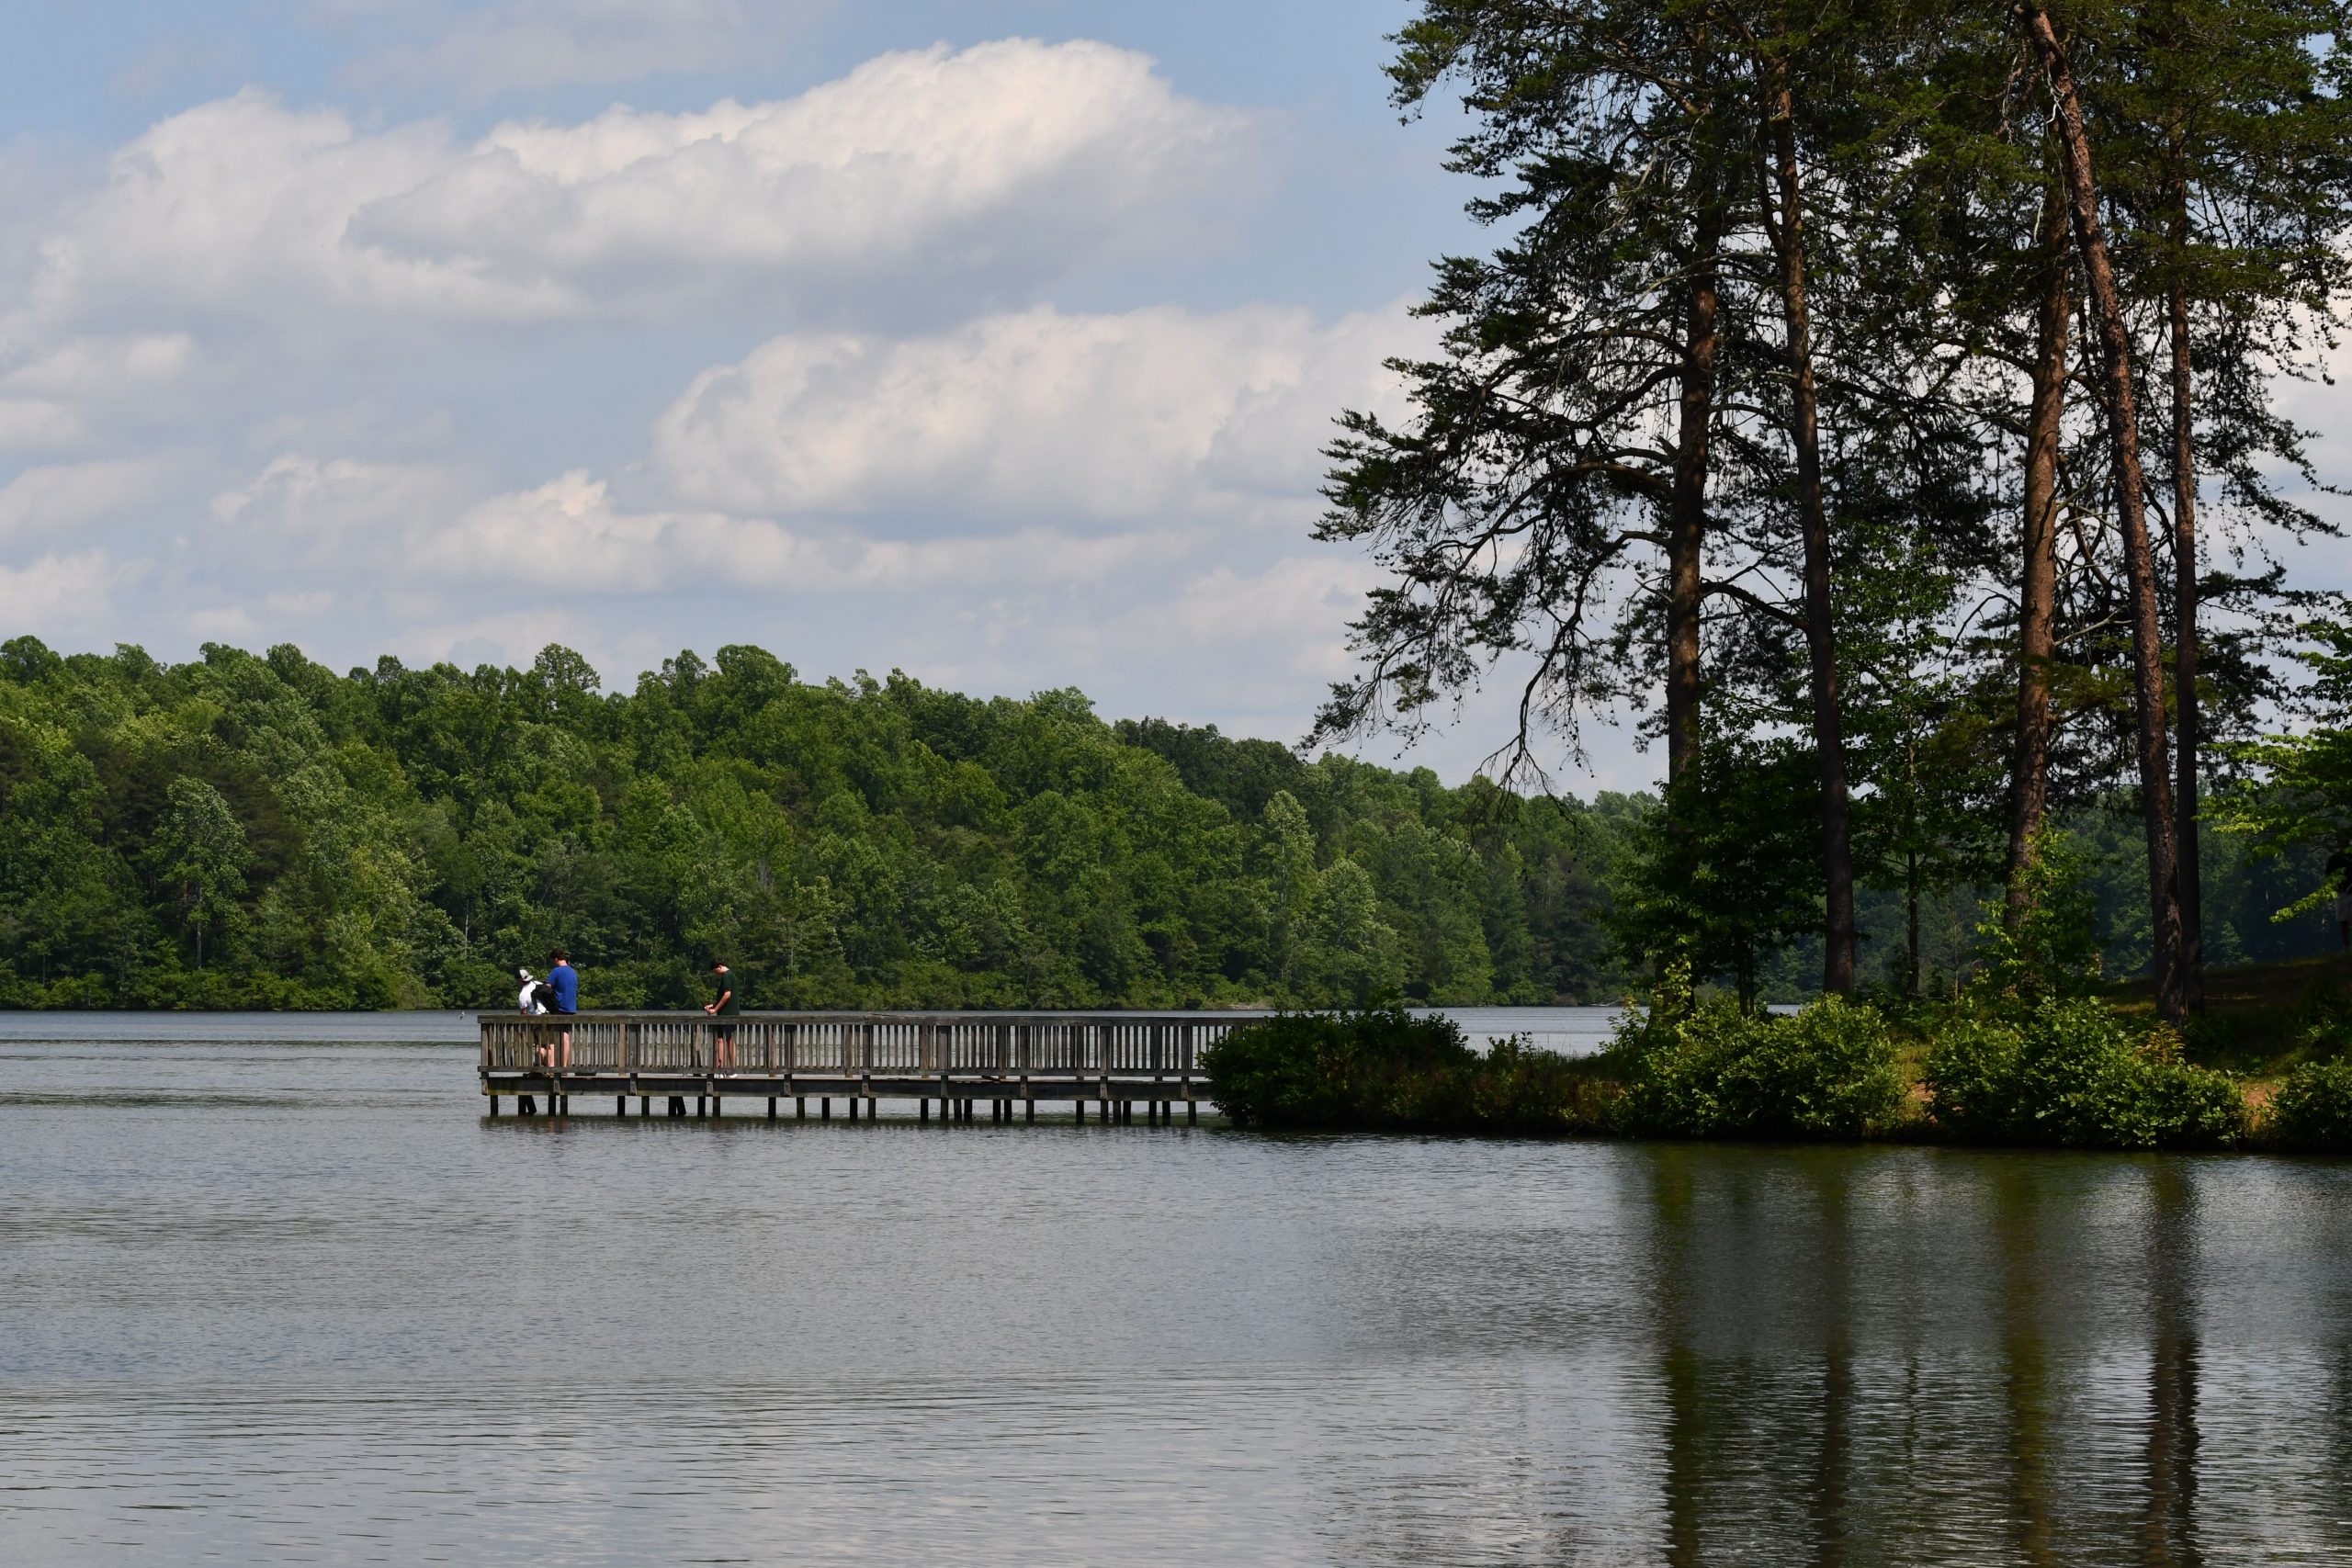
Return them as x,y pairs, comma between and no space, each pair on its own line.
566,981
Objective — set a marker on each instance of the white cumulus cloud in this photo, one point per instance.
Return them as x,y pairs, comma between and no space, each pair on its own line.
61,594
58,497
1009,157
1105,419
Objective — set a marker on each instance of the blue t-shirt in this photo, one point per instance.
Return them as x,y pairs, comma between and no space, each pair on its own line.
566,981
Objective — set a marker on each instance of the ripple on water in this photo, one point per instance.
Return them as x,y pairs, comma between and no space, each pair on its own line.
265,1300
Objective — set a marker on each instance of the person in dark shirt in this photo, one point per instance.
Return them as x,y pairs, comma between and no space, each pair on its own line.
723,1008
566,981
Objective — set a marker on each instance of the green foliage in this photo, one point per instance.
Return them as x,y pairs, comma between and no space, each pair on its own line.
2048,946
199,848
2305,798
1706,1069
259,831
1730,871
2071,1072
2312,1109
1385,1069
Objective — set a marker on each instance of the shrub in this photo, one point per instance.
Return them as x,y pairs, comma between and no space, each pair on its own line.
1518,1089
1306,1069
2312,1110
2072,1073
1386,1069
1714,1072
1972,1078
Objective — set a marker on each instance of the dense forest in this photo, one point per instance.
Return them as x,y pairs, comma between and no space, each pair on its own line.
259,831
1889,402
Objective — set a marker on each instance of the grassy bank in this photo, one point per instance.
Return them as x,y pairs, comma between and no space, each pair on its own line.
2268,1067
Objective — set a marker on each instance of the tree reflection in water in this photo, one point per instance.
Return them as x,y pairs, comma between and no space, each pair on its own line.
1957,1357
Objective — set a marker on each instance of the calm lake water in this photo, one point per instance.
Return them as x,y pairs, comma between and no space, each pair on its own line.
274,1290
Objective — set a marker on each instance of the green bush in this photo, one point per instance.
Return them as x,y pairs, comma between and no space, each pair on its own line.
1972,1078
1707,1070
2314,1108
1385,1069
2072,1073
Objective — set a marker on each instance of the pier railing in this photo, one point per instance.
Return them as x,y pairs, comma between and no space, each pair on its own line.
871,1045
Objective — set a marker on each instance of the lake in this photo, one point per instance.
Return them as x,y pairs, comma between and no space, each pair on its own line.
273,1289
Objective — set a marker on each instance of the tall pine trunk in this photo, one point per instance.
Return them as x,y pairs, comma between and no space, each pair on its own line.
2184,554
2038,582
1686,524
2123,431
1820,631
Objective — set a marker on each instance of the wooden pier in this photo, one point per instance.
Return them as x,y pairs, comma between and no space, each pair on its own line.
1104,1062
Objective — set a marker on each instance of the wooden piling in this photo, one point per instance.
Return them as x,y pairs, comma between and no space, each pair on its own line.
494,1105
772,1107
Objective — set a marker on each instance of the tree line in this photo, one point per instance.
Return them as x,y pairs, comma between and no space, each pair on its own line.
1879,399
257,830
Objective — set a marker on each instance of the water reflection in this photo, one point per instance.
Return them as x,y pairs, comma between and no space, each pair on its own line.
1944,1357
264,1302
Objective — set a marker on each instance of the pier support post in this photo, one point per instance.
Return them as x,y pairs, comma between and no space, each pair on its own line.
871,1107
1029,1107
678,1105
524,1106
620,1106
800,1107
644,1106
1192,1113
922,1111
771,1108
825,1108
494,1105
1079,1107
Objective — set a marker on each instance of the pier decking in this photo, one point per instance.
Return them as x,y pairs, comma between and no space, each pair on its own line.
1109,1063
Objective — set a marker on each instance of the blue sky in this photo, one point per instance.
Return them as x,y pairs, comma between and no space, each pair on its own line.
993,340
990,340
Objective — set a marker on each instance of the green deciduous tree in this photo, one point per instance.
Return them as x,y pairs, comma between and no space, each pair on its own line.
200,857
